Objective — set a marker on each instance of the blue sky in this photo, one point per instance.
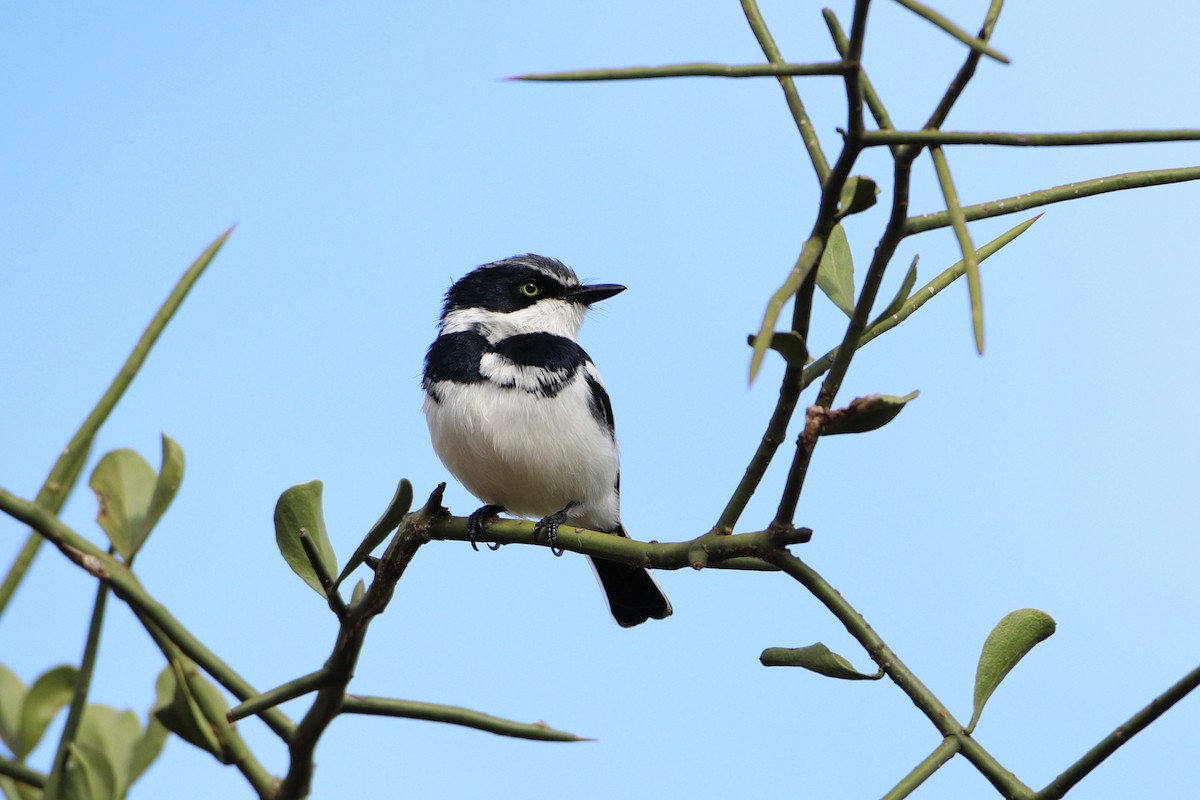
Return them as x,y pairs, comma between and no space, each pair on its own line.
370,154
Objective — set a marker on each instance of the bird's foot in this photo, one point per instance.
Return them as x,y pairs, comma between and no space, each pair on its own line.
549,526
478,521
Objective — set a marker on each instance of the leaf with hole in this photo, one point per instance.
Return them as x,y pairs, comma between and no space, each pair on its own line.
300,507
1009,641
835,275
816,658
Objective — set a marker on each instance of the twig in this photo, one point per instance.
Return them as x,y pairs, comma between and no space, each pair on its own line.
923,771
808,134
454,715
929,138
1056,194
1109,745
691,71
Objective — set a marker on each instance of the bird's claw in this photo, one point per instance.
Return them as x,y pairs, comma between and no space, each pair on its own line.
476,523
549,526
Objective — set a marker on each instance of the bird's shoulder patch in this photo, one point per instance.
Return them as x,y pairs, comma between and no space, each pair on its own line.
455,357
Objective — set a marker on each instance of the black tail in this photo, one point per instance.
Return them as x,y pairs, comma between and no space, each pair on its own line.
633,596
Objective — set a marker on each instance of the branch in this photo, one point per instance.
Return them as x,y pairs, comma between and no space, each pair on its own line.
691,71
923,771
22,774
979,46
722,551
808,134
933,137
339,668
869,95
1132,726
454,715
1057,194
279,695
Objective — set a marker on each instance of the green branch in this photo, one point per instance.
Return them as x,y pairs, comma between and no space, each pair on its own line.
691,71
732,551
454,715
56,786
808,133
339,667
923,771
931,138
870,96
66,470
22,774
979,46
1057,194
1134,725
280,694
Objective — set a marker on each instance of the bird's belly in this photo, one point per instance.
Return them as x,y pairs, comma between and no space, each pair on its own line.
533,455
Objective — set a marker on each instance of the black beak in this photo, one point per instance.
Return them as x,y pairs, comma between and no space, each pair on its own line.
594,293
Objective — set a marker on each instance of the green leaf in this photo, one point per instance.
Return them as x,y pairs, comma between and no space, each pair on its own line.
48,694
788,344
360,589
816,658
910,280
117,735
146,749
300,507
96,778
858,194
835,275
393,515
1009,641
180,712
123,483
12,696
865,414
170,476
132,497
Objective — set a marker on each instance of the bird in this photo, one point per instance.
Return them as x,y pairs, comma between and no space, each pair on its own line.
518,414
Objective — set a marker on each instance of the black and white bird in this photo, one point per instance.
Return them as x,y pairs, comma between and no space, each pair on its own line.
518,414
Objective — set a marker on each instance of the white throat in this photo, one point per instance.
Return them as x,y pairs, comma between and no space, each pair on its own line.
552,315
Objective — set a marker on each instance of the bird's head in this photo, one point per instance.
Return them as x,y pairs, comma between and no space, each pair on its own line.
522,294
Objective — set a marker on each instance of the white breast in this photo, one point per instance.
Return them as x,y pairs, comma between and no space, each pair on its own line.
533,455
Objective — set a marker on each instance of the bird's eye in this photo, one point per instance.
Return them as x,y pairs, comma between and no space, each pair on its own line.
530,289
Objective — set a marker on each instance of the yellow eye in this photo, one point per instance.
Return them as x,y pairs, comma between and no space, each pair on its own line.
530,289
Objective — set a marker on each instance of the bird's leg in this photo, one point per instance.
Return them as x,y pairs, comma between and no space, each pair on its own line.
478,521
549,525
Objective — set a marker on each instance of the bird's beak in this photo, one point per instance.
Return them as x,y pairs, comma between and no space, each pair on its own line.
594,293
